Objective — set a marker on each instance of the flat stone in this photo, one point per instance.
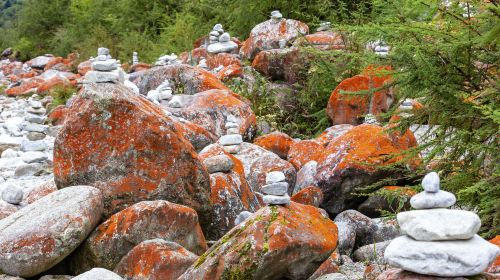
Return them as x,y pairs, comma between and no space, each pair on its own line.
106,65
232,149
10,163
31,157
116,76
12,194
37,111
98,273
275,177
441,258
279,188
34,136
218,163
233,139
34,127
225,37
35,104
233,130
8,142
429,200
32,146
431,182
242,217
276,200
28,170
222,47
9,153
439,224
35,118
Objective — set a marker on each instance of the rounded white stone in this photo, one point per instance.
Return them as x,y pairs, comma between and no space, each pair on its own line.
225,37
9,153
275,177
276,200
12,194
431,182
280,188
233,139
428,200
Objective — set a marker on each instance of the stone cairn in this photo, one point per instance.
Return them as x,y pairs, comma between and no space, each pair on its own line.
232,140
35,146
163,93
203,63
220,41
276,16
135,58
105,69
324,26
371,119
276,189
219,163
171,59
439,241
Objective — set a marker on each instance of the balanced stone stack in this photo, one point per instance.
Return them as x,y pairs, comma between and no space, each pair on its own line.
220,41
105,69
135,58
276,16
33,150
371,119
439,241
171,59
232,140
218,163
163,93
276,189
324,26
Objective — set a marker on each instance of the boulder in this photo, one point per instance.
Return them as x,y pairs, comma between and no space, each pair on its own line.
310,196
155,259
276,142
230,193
331,265
98,273
353,161
211,109
495,266
38,191
257,162
143,221
224,59
275,242
267,35
125,146
305,176
399,274
37,237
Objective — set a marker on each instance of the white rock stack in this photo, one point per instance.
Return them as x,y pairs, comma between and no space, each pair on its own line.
203,63
135,58
163,93
439,241
324,26
276,189
171,59
371,119
232,140
276,16
105,69
220,41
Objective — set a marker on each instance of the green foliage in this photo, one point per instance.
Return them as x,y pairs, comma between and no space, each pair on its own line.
60,95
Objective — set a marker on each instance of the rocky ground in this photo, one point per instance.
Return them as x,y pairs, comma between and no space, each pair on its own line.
157,172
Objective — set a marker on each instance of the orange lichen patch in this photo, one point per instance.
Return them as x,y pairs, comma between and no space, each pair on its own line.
139,67
325,40
26,87
52,62
331,265
44,244
224,59
304,151
309,196
53,83
29,74
401,190
38,192
276,142
200,41
229,72
58,115
198,53
84,67
155,260
209,81
495,266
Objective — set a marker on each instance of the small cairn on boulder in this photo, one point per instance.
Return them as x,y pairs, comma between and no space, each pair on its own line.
276,16
232,140
439,241
371,119
162,93
324,26
220,41
276,189
171,59
135,58
379,47
203,63
218,163
105,69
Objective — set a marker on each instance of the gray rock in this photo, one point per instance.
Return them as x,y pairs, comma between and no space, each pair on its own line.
233,130
98,273
431,182
102,51
352,270
33,146
428,200
56,277
371,253
34,127
218,163
9,153
333,276
175,102
31,157
116,76
242,217
35,104
39,62
279,188
34,136
222,47
106,65
37,111
53,130
439,224
276,200
275,177
230,124
38,236
7,142
225,37
35,118
233,139
12,194
305,176
441,258
346,238
28,170
232,149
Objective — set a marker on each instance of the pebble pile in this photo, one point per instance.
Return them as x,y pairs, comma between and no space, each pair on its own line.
105,69
439,241
276,189
162,93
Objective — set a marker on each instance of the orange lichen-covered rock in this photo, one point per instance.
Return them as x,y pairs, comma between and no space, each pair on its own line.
139,67
274,243
323,40
146,220
198,136
58,115
268,34
282,64
210,110
52,83
84,67
38,191
352,98
224,59
40,235
231,71
27,86
230,194
155,259
126,146
309,196
304,151
276,142
331,265
353,161
495,266
184,79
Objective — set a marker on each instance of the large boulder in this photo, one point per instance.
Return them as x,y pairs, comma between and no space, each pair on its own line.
322,40
143,221
276,142
352,162
274,243
212,108
155,259
230,193
40,235
267,35
125,146
346,108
